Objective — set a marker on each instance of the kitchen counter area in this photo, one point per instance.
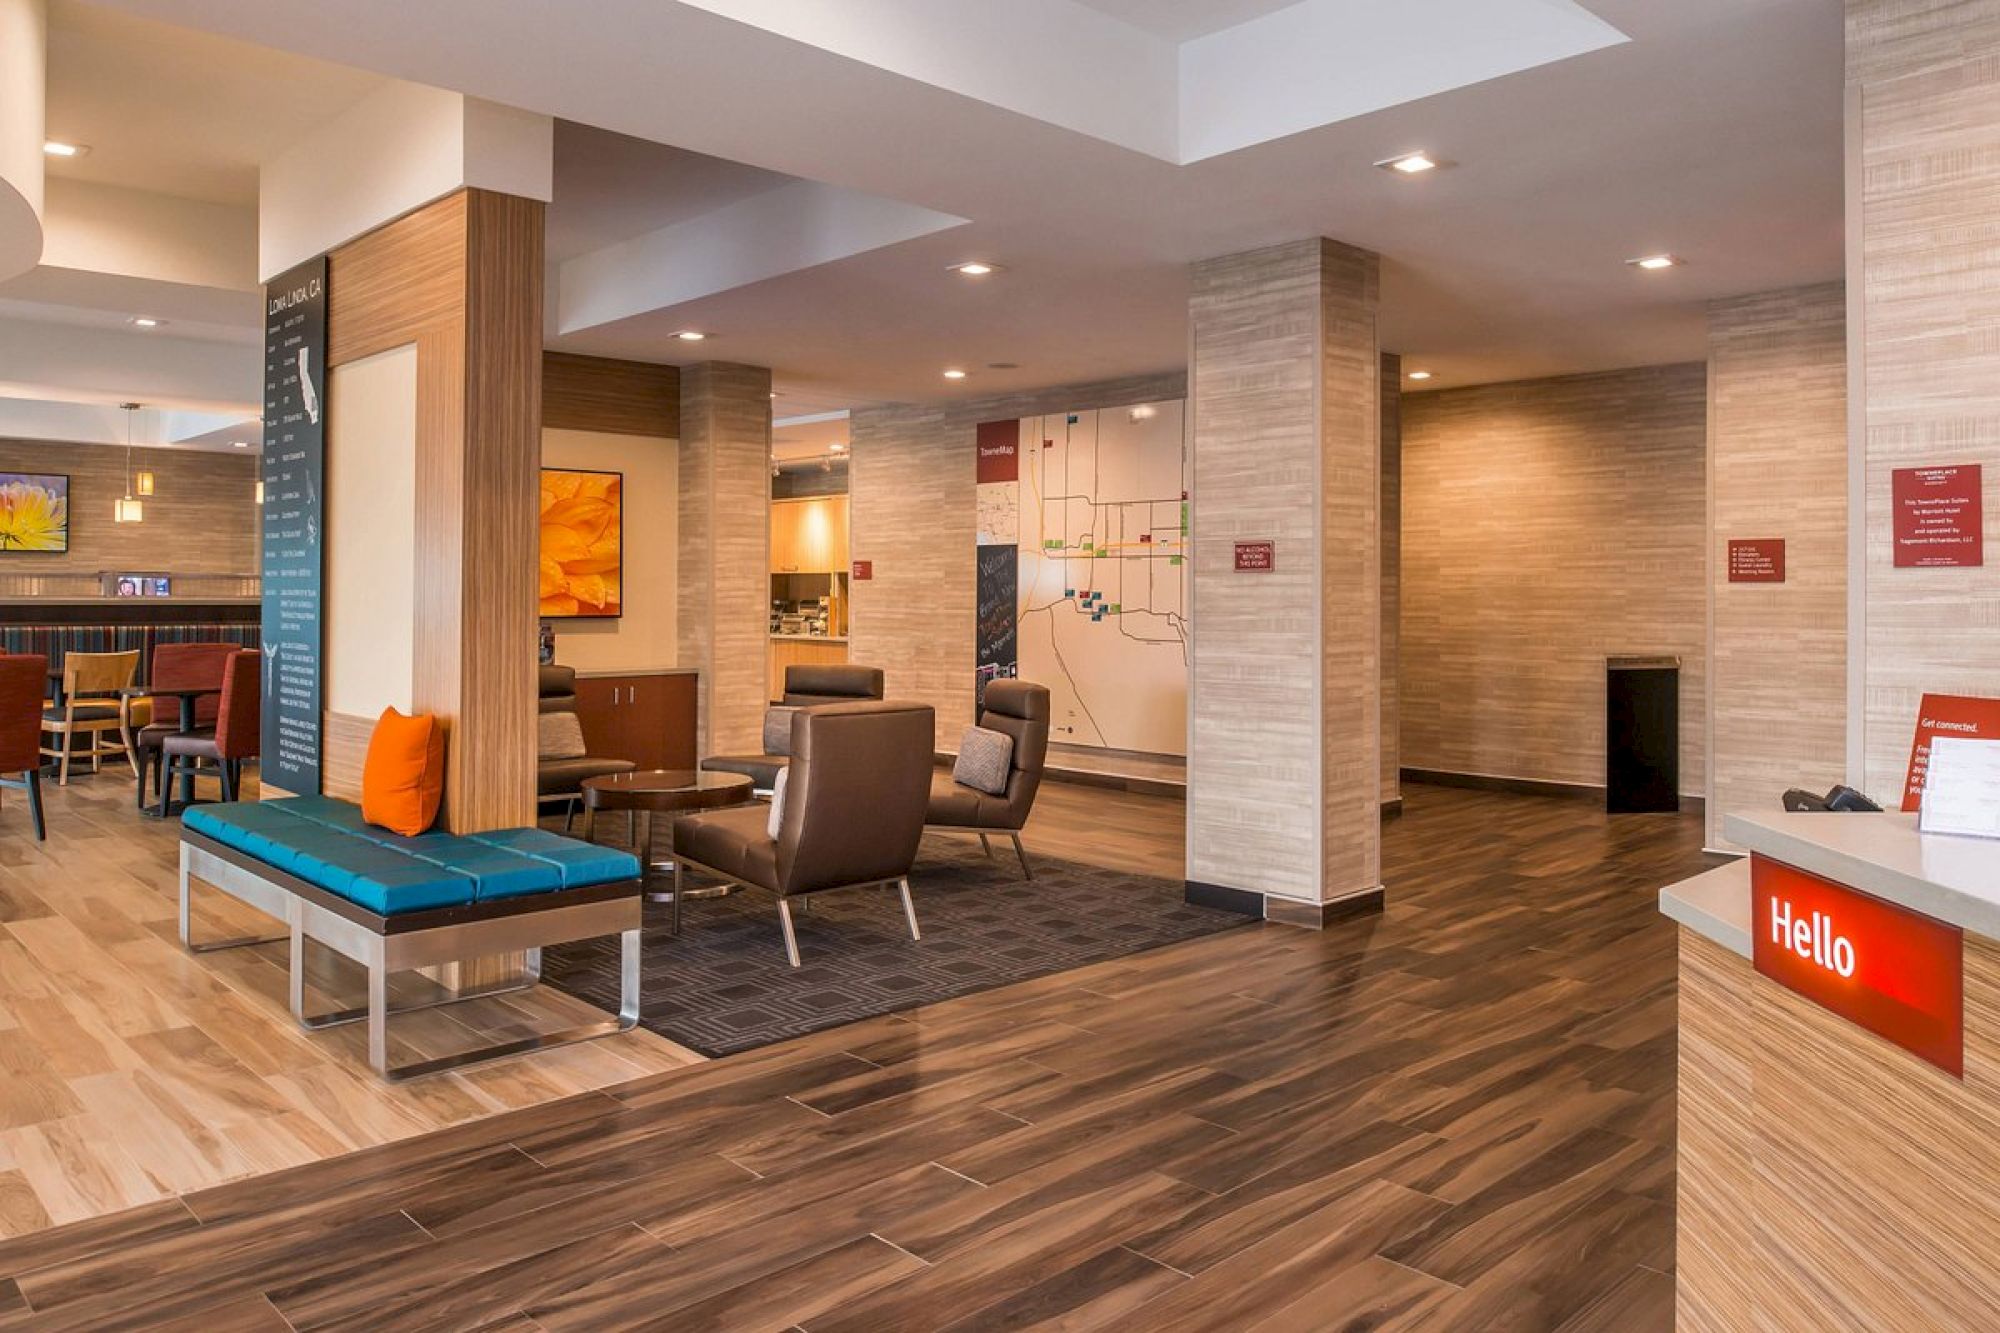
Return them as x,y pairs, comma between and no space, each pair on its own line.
1839,1077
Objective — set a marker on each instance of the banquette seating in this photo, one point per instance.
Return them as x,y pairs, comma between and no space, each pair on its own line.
394,903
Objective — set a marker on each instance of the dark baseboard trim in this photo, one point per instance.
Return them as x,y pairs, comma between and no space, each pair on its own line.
1285,911
1222,898
1565,791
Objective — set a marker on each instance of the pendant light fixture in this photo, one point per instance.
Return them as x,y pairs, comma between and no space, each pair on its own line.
130,509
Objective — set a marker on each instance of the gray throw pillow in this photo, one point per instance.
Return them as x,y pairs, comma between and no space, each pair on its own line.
559,736
778,730
985,758
777,820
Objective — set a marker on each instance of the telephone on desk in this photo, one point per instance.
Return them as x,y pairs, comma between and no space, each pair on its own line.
1839,798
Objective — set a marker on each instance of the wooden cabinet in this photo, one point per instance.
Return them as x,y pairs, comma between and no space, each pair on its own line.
648,719
809,536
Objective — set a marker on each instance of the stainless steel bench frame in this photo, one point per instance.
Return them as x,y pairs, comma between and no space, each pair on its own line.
383,945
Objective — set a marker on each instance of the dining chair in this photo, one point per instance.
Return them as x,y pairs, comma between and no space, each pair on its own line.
238,729
178,666
93,706
22,680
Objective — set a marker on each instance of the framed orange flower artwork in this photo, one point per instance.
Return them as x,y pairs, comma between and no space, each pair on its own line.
583,532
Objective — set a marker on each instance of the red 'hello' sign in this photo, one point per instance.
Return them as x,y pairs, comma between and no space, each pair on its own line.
1898,973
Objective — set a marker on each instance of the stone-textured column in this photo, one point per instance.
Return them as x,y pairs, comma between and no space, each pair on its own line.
1923,264
725,548
1777,468
1392,581
1284,769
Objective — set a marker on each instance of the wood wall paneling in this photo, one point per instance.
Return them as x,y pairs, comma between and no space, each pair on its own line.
725,587
1777,467
462,280
1547,524
1284,748
1828,1179
200,519
598,393
1926,77
912,513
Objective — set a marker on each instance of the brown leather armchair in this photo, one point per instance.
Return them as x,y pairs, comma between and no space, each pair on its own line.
559,779
852,817
806,685
1021,709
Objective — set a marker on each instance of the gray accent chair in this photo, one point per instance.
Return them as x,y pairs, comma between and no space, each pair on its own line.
1020,709
852,818
806,686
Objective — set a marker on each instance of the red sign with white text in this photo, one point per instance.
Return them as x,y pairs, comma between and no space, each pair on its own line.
1757,560
864,570
1938,516
1256,557
999,449
1895,972
1946,715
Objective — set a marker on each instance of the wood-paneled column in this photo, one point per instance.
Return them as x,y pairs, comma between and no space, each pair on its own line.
1923,236
1284,762
460,282
725,548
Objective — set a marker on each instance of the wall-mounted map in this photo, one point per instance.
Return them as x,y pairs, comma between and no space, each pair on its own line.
1097,505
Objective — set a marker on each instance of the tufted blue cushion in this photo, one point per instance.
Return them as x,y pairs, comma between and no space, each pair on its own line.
326,843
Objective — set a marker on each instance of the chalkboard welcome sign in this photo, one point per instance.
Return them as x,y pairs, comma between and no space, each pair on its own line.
294,523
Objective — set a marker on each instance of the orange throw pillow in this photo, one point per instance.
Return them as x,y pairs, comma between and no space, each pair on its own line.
402,783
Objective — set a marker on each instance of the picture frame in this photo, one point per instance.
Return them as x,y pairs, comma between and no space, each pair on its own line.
581,514
34,513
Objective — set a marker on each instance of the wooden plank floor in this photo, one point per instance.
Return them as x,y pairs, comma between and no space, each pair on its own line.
1458,1114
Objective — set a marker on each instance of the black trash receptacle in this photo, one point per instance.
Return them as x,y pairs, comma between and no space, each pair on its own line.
1642,735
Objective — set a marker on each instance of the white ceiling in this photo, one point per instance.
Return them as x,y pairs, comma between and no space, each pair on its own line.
1184,20
1713,132
177,111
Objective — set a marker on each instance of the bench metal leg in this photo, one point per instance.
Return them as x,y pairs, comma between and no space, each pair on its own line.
333,1018
626,1020
187,919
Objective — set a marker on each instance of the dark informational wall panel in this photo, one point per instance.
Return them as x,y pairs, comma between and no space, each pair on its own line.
295,386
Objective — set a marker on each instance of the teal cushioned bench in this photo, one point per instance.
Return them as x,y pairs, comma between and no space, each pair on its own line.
325,842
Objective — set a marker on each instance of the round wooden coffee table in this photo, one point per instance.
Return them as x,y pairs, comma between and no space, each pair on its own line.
657,792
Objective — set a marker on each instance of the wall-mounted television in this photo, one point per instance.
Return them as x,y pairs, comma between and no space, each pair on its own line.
34,511
582,544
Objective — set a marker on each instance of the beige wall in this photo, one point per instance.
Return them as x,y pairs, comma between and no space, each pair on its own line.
371,534
200,519
644,637
1924,264
911,511
1777,467
1546,525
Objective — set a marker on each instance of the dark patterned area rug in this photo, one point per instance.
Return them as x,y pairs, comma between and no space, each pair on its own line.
724,986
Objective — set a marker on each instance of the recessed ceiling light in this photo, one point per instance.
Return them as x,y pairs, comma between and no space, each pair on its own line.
1419,375
836,448
57,148
1656,261
1410,164
954,374
239,444
691,335
974,268
147,322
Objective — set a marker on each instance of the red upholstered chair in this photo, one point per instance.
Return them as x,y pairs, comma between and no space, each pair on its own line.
235,737
22,680
178,666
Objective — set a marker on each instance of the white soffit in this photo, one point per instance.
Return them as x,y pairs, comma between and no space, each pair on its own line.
1278,72
780,231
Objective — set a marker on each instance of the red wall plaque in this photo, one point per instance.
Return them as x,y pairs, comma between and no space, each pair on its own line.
1757,560
999,448
1938,522
1946,715
1895,972
864,570
1256,557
